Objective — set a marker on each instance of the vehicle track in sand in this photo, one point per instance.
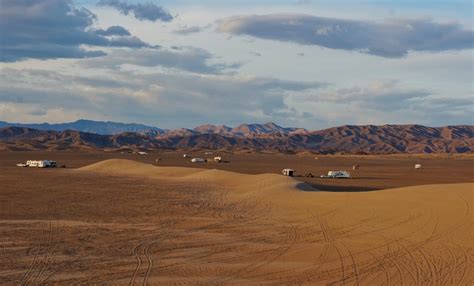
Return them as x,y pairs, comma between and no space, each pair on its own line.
368,265
429,273
228,220
328,240
391,258
180,234
141,251
42,252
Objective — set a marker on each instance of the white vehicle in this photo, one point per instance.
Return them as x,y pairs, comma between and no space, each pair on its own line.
32,163
142,153
22,165
288,172
418,166
41,164
218,159
185,156
337,175
208,153
197,160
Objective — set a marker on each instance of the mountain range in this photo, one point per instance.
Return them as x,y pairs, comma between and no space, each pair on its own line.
114,128
348,139
90,126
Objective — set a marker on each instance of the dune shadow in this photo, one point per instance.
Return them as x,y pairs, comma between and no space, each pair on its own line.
352,178
367,178
308,187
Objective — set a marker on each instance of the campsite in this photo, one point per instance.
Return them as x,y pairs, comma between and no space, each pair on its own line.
128,219
299,142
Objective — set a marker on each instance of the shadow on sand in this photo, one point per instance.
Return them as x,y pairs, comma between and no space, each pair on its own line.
308,187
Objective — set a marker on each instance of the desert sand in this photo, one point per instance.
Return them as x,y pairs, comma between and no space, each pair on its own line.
130,223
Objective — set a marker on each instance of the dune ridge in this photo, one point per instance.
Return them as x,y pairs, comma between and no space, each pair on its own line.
238,182
234,179
288,194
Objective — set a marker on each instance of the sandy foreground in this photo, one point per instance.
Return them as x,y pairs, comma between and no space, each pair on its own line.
123,222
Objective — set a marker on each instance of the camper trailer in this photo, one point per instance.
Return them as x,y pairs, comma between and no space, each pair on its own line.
41,164
337,175
288,172
197,160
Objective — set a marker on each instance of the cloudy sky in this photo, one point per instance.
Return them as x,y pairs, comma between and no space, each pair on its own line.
182,63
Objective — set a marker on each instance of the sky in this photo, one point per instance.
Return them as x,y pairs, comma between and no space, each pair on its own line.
181,63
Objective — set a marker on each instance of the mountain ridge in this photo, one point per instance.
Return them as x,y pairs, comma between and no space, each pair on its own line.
347,139
113,128
91,126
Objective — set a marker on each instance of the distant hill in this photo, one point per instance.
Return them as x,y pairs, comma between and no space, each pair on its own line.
349,139
22,138
112,128
97,127
248,130
370,139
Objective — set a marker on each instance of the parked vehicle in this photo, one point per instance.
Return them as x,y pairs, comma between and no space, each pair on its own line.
41,164
337,175
288,172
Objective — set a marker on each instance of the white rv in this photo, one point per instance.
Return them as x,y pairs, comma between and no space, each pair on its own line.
288,172
41,164
337,175
197,160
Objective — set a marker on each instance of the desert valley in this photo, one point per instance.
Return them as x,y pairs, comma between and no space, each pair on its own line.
263,142
121,217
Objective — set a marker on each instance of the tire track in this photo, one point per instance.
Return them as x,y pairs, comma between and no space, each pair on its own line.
40,260
354,264
136,253
165,234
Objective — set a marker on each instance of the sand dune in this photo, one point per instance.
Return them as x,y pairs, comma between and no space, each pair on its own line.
229,180
413,235
141,224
